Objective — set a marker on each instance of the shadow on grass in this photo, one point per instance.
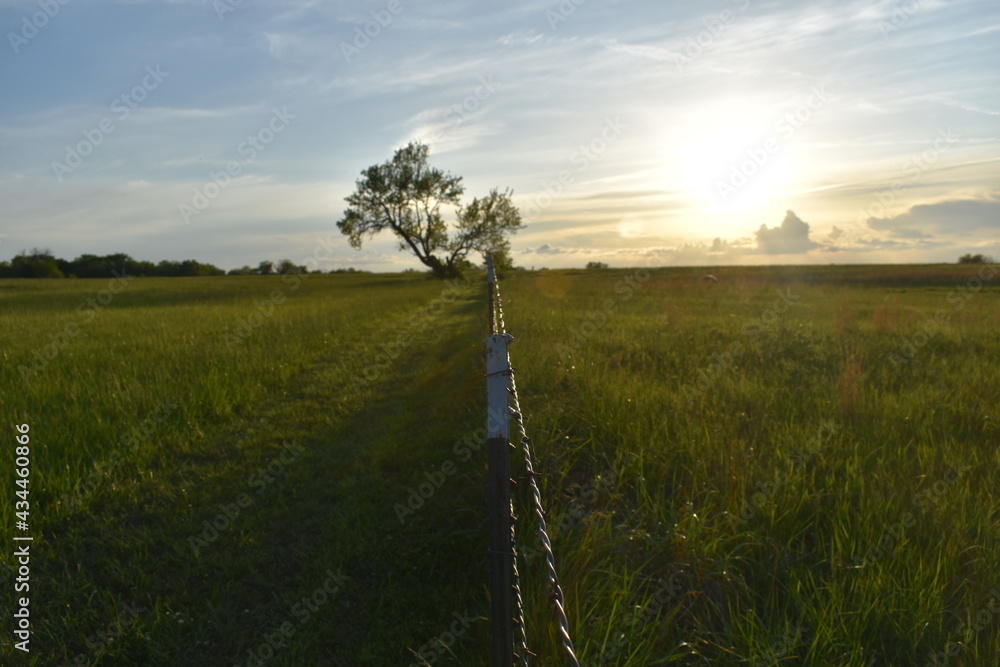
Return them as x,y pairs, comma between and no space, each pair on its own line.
260,552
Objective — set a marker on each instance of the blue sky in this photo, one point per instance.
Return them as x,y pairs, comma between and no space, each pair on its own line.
725,132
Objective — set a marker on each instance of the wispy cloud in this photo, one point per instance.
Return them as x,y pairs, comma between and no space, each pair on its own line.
697,88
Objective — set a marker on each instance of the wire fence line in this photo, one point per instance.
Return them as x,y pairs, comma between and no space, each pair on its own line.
505,575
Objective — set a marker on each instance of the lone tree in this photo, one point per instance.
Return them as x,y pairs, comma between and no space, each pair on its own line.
975,259
405,195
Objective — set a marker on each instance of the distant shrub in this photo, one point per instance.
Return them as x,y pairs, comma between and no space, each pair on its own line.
975,259
36,264
596,265
288,267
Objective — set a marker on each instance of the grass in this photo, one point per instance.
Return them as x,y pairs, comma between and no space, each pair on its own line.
796,466
757,521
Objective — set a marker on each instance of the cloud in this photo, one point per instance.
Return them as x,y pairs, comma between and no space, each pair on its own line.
790,238
545,250
962,216
520,38
859,246
644,191
899,232
447,129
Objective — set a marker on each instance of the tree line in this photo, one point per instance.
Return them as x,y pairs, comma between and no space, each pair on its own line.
43,264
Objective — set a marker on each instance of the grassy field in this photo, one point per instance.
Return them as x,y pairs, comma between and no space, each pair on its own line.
795,466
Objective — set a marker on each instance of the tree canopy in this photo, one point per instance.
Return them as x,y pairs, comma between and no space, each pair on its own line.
405,195
41,263
969,258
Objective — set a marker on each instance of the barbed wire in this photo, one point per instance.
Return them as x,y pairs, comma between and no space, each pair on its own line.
556,593
522,626
499,308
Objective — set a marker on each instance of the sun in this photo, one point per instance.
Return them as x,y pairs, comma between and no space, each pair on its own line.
730,158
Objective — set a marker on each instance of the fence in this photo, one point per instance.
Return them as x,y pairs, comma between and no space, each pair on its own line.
507,603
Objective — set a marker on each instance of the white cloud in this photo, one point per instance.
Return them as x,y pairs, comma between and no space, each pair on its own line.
792,237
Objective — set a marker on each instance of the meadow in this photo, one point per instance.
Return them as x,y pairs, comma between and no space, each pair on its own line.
796,466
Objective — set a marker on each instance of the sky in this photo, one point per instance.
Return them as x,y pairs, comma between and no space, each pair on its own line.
725,132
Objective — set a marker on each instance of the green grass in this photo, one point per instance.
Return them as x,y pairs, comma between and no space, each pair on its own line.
740,528
732,476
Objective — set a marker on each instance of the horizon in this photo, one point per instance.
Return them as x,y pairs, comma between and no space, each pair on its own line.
630,132
986,260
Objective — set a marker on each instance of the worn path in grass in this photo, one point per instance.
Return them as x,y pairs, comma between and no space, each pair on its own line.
317,567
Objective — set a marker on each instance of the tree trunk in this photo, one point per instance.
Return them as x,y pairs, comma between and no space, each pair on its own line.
442,270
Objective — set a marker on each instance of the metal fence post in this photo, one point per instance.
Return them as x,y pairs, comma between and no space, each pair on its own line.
504,579
501,541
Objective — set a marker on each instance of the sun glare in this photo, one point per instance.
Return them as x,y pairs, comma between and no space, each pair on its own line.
730,158
631,226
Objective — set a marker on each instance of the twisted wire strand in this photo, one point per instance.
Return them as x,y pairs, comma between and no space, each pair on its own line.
522,626
499,307
556,594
